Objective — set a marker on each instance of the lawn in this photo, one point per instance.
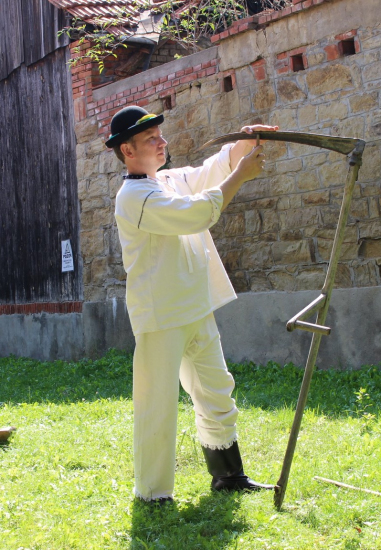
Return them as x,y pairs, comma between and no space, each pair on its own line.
67,476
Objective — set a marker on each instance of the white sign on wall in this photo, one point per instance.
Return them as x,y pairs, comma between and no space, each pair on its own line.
67,256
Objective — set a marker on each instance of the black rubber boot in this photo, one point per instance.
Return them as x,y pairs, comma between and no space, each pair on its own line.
225,466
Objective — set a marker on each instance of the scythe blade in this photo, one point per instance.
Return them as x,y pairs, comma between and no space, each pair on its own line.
343,145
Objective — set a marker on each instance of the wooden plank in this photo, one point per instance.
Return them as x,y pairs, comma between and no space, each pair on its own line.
11,37
38,177
41,23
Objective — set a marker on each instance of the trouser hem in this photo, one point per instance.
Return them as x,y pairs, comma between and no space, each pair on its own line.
150,498
219,447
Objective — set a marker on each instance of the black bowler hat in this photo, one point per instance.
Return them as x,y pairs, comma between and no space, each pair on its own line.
131,121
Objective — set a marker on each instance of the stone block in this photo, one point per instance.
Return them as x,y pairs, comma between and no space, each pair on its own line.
370,249
264,97
256,255
97,186
293,252
349,250
298,218
359,209
242,49
285,118
289,201
239,281
235,225
291,235
281,280
275,150
289,165
332,174
253,222
99,270
270,221
371,164
316,159
363,102
288,91
374,207
197,115
94,293
307,116
351,127
311,278
343,276
316,197
259,282
283,184
115,182
308,181
231,260
332,111
103,217
225,105
180,145
109,163
326,79
366,274
372,72
86,130
95,147
92,243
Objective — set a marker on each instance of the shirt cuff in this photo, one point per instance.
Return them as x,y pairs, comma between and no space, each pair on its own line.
217,199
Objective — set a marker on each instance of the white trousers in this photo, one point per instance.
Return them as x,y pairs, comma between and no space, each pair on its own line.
192,353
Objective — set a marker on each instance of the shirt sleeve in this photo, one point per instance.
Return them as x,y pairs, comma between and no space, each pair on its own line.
211,173
152,209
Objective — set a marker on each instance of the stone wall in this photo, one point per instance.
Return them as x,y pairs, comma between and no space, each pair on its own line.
313,67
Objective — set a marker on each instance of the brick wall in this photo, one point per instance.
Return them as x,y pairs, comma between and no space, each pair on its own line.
313,67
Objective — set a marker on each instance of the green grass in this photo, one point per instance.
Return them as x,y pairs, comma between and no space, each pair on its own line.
66,476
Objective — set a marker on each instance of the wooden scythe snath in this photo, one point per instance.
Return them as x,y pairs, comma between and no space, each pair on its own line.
354,147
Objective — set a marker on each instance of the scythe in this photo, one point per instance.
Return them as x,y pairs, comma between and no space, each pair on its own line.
320,305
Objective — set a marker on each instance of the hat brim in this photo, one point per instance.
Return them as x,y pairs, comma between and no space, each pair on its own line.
117,139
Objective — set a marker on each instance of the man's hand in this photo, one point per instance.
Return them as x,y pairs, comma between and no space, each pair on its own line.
248,168
243,147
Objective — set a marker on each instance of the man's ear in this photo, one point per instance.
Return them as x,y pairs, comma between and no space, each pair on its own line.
127,150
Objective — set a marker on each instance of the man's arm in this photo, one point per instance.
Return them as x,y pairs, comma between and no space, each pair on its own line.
242,148
247,168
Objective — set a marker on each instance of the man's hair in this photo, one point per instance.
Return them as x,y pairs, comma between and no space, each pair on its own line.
118,151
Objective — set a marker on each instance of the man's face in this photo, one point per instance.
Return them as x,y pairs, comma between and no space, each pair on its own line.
147,150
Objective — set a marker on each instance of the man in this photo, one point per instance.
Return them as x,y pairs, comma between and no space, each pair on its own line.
175,280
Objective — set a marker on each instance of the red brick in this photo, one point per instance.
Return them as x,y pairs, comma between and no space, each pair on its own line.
332,52
282,70
282,55
215,38
206,65
180,73
346,35
224,34
189,70
210,71
164,79
201,74
197,67
188,78
259,72
307,4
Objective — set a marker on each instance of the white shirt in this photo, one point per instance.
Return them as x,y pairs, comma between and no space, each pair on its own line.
174,273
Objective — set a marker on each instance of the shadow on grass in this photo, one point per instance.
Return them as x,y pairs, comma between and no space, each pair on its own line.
332,392
212,523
